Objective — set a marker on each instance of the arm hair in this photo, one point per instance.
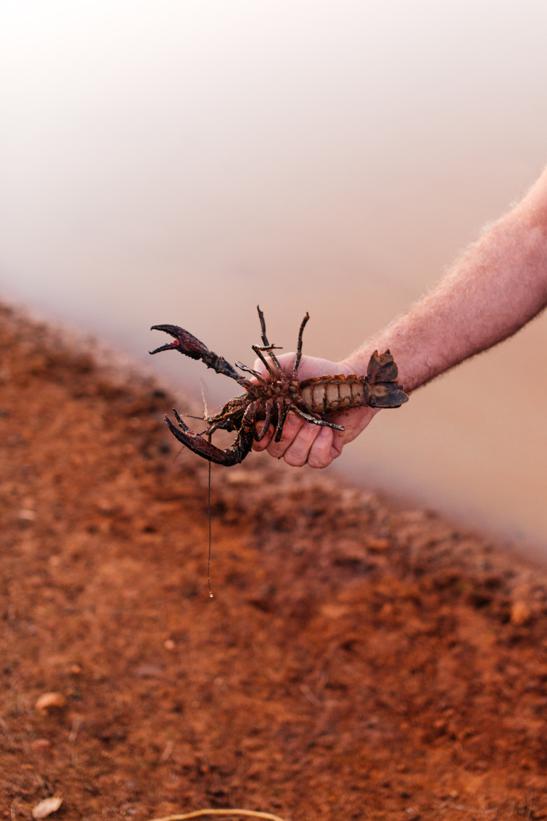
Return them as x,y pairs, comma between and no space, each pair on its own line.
493,289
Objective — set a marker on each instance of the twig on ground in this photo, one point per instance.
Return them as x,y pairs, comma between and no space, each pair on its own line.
202,813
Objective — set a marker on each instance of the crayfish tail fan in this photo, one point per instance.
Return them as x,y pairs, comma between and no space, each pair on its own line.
383,390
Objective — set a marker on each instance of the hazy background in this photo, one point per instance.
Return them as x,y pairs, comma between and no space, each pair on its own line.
182,161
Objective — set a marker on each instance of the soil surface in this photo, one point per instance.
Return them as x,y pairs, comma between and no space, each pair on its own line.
358,660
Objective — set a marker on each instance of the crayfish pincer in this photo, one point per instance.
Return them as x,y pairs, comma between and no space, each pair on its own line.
269,397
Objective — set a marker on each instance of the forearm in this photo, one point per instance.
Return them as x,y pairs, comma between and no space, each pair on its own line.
493,290
497,286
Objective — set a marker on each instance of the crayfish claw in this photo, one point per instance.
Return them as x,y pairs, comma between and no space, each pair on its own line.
204,448
184,341
181,423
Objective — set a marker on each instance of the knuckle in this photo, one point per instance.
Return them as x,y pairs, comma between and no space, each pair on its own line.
262,445
323,443
277,449
320,455
294,460
290,433
318,464
292,425
337,448
297,453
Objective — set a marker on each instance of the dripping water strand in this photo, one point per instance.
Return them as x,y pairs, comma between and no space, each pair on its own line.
209,505
210,530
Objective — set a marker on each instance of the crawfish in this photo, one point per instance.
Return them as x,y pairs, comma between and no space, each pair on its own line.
269,397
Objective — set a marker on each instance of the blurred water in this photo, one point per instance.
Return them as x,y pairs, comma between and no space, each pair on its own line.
180,162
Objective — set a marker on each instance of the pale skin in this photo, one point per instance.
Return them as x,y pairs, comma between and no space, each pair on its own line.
496,287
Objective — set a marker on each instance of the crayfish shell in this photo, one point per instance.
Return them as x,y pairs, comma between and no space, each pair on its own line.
333,393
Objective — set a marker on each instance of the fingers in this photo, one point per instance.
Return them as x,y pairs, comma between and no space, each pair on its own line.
291,428
298,451
323,452
313,446
266,439
301,444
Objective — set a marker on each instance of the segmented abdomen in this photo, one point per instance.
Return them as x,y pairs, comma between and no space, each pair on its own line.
333,393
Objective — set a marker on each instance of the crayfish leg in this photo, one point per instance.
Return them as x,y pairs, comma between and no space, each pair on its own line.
282,411
298,356
267,421
265,340
315,420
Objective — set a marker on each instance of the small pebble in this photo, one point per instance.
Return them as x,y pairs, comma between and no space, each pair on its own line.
520,613
47,807
50,701
26,515
40,744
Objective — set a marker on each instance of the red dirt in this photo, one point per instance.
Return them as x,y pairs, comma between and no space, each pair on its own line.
358,661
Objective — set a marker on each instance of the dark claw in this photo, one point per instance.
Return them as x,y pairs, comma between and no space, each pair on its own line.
184,342
202,447
189,345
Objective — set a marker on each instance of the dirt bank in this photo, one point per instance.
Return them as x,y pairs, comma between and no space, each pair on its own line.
358,661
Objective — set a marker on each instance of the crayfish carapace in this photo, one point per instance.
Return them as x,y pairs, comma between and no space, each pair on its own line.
270,397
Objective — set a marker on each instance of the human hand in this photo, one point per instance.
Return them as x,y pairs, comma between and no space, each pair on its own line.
302,442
